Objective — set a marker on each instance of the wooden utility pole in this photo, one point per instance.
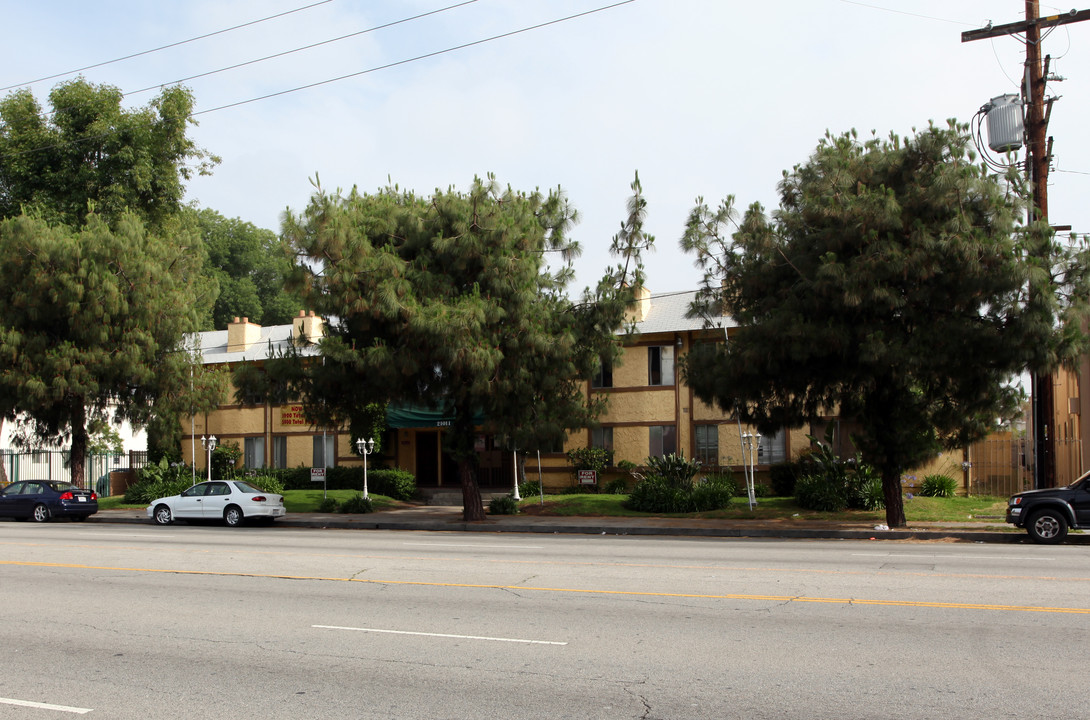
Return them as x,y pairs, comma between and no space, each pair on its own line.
1039,155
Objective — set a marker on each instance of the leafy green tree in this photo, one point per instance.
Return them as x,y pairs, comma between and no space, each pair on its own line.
93,319
449,301
250,267
91,151
894,285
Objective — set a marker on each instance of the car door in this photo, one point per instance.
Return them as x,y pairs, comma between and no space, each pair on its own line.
190,504
12,501
218,497
1080,502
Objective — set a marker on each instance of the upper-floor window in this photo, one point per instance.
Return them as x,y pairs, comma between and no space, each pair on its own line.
604,378
660,365
602,437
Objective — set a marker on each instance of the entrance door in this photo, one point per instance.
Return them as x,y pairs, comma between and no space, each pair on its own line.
427,458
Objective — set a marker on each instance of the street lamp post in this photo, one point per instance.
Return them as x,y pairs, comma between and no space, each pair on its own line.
366,447
209,444
751,446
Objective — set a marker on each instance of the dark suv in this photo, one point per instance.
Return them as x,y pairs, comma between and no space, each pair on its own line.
1047,514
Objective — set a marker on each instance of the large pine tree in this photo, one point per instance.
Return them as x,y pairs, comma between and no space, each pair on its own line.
450,301
895,285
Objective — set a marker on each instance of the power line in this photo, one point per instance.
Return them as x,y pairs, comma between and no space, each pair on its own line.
344,77
164,47
300,49
414,59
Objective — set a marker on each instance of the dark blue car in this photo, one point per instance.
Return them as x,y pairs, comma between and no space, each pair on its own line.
39,500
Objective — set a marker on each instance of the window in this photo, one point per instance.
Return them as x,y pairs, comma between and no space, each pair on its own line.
663,440
602,437
253,452
280,452
660,365
323,451
707,444
773,448
604,378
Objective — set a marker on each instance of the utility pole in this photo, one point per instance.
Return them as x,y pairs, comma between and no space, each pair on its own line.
1039,156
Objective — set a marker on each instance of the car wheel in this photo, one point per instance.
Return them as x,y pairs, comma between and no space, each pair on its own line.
162,515
232,516
40,514
1047,526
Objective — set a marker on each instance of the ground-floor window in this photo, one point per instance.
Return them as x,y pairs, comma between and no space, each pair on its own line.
253,452
773,448
324,450
279,451
663,440
707,444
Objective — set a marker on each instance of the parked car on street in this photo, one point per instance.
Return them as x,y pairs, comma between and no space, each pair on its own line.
40,500
1047,514
232,501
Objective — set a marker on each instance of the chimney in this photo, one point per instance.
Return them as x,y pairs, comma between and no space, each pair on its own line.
241,334
641,307
307,328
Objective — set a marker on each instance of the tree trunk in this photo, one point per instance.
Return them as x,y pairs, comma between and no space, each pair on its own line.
895,503
472,505
79,444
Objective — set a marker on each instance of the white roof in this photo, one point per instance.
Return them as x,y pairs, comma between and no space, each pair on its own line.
212,346
670,313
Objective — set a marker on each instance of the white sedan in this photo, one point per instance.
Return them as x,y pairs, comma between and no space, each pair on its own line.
229,500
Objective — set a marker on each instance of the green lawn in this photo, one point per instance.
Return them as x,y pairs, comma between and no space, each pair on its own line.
917,509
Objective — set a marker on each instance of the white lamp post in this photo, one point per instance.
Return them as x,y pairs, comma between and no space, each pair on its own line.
209,444
366,447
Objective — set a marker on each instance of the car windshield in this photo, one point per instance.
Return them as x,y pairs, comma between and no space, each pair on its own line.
247,488
63,486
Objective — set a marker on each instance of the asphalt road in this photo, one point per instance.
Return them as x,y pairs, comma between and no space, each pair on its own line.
206,622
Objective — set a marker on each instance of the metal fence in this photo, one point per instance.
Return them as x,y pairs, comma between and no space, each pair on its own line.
54,465
1002,465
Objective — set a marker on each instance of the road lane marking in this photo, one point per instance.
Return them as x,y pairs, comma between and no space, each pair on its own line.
45,706
954,557
582,591
441,635
476,546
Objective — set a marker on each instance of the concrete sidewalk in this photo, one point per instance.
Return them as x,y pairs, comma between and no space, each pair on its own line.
449,518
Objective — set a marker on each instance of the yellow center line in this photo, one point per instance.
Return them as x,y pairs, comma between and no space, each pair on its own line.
622,593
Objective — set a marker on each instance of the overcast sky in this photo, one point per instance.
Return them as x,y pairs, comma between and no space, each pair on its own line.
702,97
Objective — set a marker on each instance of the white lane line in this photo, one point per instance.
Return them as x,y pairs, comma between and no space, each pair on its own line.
953,557
45,706
441,635
476,545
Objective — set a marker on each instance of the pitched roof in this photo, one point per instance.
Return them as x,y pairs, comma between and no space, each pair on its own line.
212,346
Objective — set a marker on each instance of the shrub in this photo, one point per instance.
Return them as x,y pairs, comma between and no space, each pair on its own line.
674,469
395,483
726,479
225,461
266,481
867,492
655,494
616,486
529,487
357,504
590,458
821,492
939,486
783,476
503,505
328,505
158,480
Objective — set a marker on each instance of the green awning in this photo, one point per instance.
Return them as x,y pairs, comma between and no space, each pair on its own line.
416,416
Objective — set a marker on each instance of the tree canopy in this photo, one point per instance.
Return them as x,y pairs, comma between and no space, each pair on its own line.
250,267
894,285
99,265
89,149
93,318
449,301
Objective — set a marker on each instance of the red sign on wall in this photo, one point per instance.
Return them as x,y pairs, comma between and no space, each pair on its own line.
292,415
